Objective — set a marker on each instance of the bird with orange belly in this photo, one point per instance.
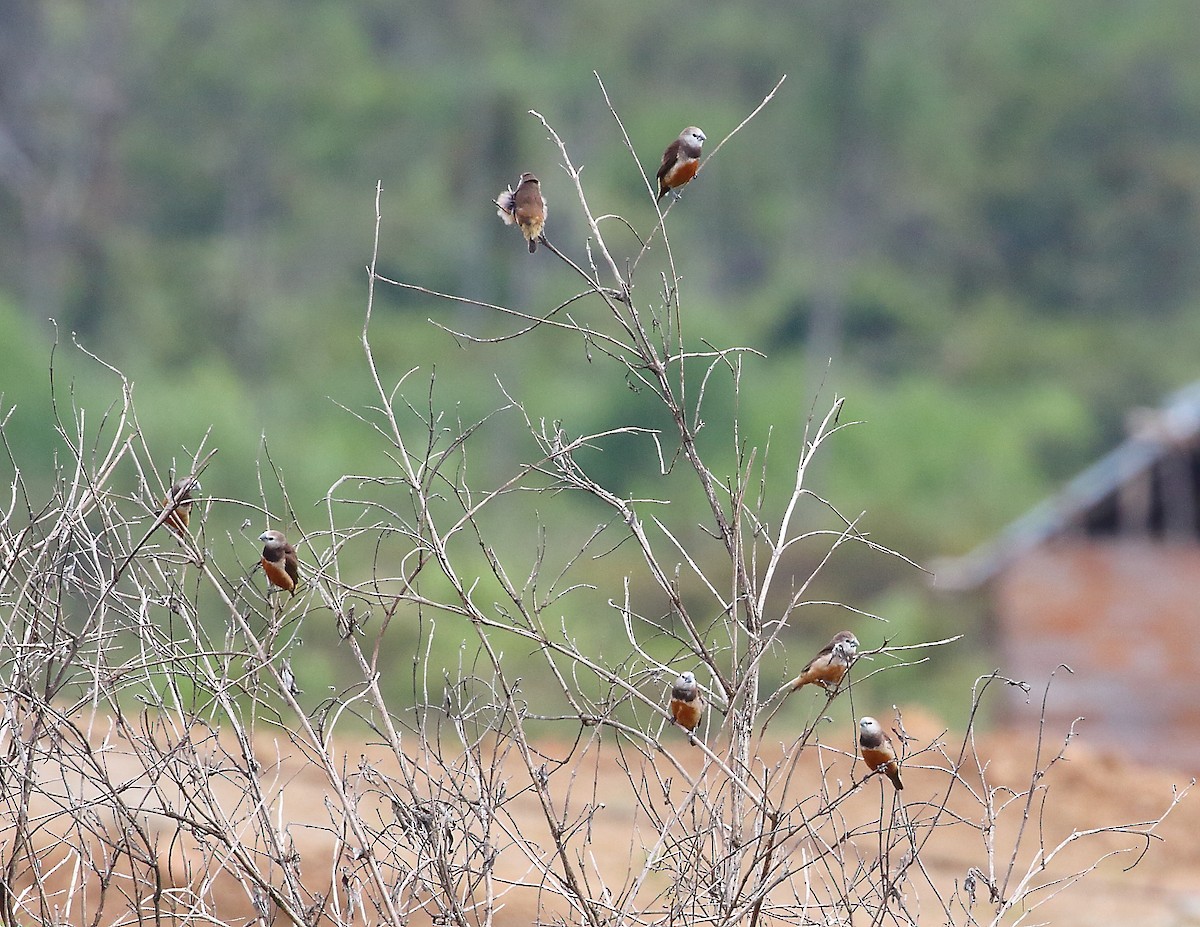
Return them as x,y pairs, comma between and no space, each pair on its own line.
680,161
180,496
686,704
828,668
877,750
279,561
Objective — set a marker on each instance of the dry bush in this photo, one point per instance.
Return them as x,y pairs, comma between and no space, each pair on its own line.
160,767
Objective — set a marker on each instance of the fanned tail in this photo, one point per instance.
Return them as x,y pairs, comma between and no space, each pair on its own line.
505,204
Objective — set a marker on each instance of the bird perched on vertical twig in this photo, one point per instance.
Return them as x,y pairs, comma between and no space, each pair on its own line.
877,750
180,495
279,561
686,706
680,161
524,207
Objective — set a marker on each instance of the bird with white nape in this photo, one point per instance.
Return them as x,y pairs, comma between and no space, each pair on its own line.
686,705
680,161
877,750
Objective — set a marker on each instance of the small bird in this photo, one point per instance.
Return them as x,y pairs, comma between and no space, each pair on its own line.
828,668
680,161
525,207
180,494
686,704
877,750
279,561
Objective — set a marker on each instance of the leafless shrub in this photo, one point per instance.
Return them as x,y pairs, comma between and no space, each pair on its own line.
153,758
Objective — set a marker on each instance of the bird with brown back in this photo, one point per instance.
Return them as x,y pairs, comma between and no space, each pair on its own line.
279,561
181,496
828,668
687,706
680,161
524,207
877,750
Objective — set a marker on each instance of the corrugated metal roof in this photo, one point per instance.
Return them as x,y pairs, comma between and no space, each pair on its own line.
1156,433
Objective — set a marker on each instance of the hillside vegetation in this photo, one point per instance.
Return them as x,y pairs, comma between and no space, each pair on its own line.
979,224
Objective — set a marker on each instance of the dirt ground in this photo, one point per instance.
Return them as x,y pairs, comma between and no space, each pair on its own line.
1086,790
1092,789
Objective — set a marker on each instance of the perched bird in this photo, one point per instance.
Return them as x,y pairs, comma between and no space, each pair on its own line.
686,704
877,750
828,668
524,207
279,561
680,161
180,495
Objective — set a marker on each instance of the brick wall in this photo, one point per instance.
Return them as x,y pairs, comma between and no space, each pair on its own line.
1125,616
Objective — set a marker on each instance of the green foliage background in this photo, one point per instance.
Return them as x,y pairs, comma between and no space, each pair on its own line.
984,214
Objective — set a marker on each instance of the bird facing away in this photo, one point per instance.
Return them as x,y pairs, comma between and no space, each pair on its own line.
828,668
680,161
686,704
279,561
180,494
525,207
877,751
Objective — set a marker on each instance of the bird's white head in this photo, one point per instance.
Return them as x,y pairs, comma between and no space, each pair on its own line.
847,647
188,486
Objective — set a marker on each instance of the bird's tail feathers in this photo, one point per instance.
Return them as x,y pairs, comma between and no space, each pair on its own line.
505,204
